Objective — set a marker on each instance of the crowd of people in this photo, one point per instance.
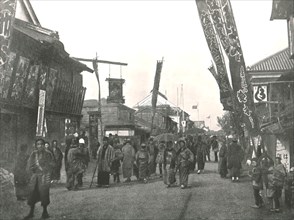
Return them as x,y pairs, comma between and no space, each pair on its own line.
34,173
269,177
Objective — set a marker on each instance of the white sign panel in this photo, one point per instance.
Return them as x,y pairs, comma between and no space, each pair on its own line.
283,152
41,111
260,93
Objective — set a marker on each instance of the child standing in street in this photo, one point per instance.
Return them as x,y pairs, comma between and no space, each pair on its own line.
276,177
255,175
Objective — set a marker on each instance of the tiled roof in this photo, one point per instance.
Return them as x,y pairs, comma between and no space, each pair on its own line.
277,62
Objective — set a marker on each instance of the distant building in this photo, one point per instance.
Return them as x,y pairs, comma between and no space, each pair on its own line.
164,109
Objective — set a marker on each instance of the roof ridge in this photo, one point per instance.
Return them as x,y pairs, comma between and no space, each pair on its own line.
267,58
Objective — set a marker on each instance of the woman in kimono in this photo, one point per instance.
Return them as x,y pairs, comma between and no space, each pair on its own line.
143,159
40,164
169,165
21,178
201,154
128,160
105,156
185,158
222,165
159,157
58,156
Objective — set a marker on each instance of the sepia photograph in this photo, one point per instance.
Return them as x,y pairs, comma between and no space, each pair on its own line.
147,109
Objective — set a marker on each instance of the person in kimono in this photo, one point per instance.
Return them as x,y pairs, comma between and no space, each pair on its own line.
128,160
41,164
185,158
151,149
116,162
169,165
105,156
235,156
58,156
276,178
201,154
21,177
142,160
222,165
78,158
160,155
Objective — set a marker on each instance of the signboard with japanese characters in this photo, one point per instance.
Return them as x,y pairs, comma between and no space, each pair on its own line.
282,150
260,93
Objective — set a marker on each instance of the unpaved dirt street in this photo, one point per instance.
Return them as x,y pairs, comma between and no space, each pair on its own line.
208,197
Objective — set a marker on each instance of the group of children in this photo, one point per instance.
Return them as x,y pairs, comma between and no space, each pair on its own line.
272,178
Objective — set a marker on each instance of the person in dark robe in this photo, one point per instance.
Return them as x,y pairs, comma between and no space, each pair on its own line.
222,165
21,177
40,165
142,160
85,157
214,147
235,156
105,157
191,146
58,156
185,158
201,154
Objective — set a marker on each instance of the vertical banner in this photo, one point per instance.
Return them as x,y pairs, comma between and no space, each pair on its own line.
220,73
156,84
19,79
224,24
6,75
155,89
41,111
7,14
282,9
224,88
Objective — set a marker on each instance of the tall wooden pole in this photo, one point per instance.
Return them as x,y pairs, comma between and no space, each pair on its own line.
95,67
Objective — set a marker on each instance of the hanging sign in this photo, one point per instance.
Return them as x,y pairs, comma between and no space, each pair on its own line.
7,13
259,93
41,111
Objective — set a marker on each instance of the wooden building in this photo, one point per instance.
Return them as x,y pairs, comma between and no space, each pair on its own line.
37,61
273,84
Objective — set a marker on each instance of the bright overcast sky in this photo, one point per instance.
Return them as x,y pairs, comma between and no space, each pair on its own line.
141,32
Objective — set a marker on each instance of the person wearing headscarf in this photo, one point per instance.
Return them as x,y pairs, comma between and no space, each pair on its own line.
185,158
169,165
78,158
21,177
235,156
201,154
58,156
128,160
105,156
142,160
40,165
